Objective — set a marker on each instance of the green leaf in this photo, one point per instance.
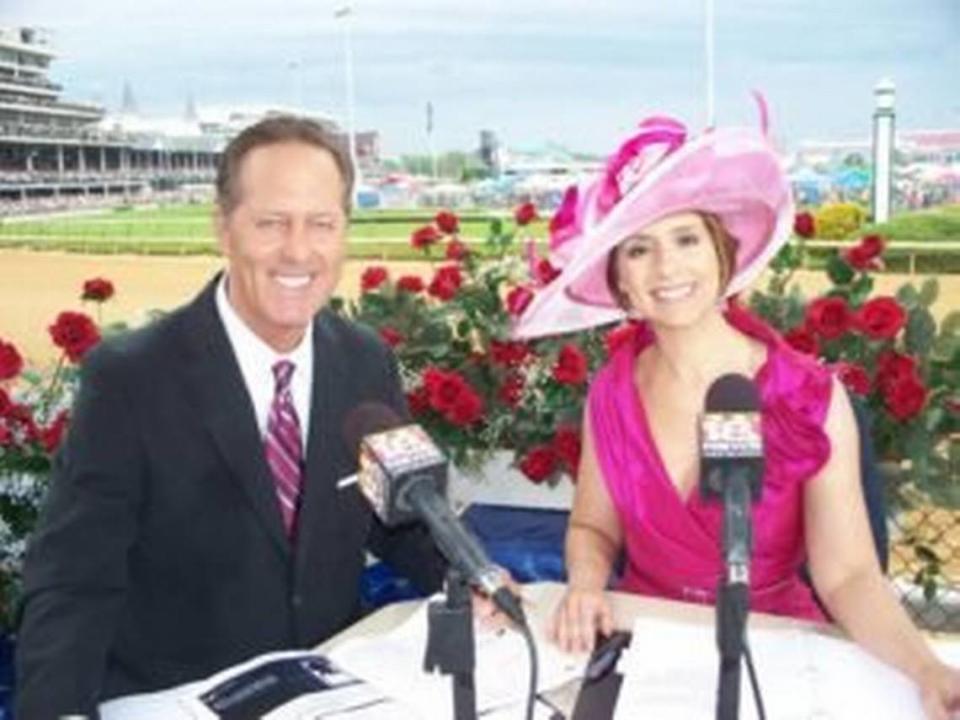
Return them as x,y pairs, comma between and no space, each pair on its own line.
921,331
838,271
929,292
950,325
861,289
908,296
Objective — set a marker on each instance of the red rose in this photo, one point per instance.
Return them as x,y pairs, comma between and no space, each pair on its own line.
800,338
546,273
424,237
76,333
457,250
391,336
5,403
418,401
854,376
10,361
525,213
618,337
6,436
881,318
804,225
448,222
571,366
373,277
905,398
539,463
52,435
517,300
509,353
410,284
566,446
511,392
97,289
467,409
892,367
866,254
20,415
446,282
829,317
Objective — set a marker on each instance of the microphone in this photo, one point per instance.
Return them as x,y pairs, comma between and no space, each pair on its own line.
731,465
403,475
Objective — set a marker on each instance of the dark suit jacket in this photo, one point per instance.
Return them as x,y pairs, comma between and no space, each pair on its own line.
160,556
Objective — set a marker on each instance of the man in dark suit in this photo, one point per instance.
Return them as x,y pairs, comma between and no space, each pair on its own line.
194,518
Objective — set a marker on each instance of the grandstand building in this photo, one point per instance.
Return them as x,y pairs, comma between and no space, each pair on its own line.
55,153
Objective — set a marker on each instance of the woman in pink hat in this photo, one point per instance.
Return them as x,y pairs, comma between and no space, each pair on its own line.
667,235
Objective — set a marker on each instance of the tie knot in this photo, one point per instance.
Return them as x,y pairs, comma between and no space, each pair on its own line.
282,372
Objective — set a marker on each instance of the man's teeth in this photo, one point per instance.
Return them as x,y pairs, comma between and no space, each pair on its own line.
292,281
675,292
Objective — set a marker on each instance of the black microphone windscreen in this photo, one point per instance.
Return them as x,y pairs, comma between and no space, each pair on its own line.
732,393
366,419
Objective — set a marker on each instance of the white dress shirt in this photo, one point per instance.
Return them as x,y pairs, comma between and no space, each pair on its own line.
256,360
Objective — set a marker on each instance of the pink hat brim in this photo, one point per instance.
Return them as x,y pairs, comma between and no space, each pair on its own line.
732,173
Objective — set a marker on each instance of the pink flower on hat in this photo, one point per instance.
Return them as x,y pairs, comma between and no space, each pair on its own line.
565,221
658,137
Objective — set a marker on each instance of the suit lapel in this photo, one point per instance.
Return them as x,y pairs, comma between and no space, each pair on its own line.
318,488
224,404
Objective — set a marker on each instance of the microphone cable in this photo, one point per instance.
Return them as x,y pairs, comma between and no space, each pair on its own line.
532,652
754,683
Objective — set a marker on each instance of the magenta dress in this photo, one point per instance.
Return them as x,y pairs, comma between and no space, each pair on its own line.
673,544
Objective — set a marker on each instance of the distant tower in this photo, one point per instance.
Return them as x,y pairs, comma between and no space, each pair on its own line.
884,93
190,112
128,105
490,150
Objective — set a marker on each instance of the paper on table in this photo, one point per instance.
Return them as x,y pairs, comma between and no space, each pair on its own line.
671,673
291,685
393,663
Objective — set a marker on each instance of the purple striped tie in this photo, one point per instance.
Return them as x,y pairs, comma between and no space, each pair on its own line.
283,445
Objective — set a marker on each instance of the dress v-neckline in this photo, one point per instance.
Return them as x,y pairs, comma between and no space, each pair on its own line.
686,501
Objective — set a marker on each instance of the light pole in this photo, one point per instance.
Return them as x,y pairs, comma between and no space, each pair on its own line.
708,51
345,15
884,94
296,76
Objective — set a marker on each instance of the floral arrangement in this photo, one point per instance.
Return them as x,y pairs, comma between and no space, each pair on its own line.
34,415
473,388
888,350
477,391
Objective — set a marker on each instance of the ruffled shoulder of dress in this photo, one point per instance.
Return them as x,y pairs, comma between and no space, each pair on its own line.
795,390
619,365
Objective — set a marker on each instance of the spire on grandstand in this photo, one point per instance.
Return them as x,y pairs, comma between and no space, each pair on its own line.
190,112
128,105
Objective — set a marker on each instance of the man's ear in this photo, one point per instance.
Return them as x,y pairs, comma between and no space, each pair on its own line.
221,228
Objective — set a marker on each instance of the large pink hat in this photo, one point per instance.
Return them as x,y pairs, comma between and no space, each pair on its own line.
732,173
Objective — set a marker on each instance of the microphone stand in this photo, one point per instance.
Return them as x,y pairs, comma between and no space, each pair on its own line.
450,643
733,593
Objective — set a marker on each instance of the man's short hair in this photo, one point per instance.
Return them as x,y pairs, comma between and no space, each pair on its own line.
273,130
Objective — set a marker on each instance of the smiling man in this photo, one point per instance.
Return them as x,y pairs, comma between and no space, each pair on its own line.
194,518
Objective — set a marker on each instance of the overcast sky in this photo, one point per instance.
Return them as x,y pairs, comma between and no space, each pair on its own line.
571,71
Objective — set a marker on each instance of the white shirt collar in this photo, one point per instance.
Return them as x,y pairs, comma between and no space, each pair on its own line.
256,360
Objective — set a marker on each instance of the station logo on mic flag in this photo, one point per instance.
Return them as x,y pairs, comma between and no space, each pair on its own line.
731,435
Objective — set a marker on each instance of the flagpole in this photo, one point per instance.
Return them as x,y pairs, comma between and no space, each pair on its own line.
345,13
430,144
709,57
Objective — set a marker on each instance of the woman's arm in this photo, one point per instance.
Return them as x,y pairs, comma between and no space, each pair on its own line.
594,538
846,573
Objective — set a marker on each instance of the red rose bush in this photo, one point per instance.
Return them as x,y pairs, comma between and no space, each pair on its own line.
890,353
34,419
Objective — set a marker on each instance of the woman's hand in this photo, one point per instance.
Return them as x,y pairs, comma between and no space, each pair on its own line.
578,618
940,691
